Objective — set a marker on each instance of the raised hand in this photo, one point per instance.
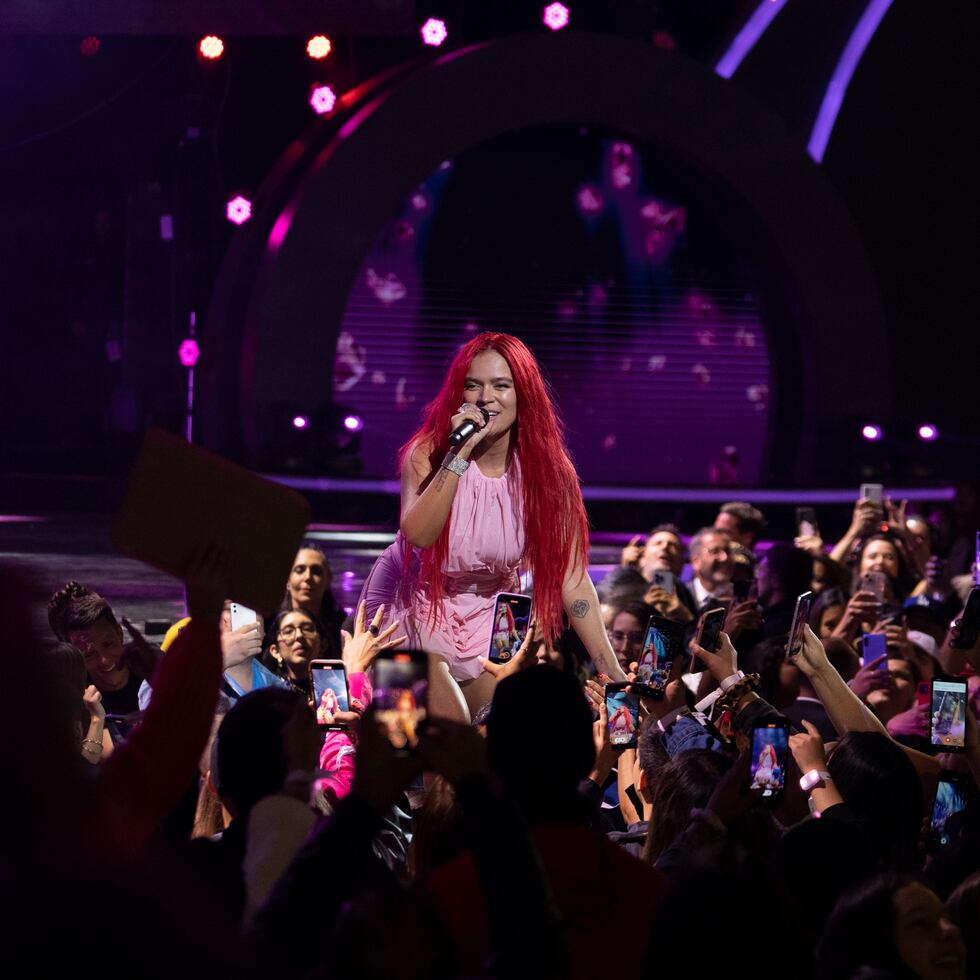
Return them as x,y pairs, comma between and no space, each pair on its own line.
92,699
811,657
238,645
807,748
367,642
870,678
720,664
516,663
632,552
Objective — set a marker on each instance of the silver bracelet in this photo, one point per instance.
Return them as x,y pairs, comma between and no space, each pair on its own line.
454,464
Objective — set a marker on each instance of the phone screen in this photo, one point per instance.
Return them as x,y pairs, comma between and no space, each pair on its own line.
770,753
874,582
401,690
241,615
712,623
948,715
664,580
951,798
623,709
660,648
511,615
873,646
330,694
801,616
874,492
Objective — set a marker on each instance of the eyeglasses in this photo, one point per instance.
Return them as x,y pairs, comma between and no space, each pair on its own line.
307,629
618,636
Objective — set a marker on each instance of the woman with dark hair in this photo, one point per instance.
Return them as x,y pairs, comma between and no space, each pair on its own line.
890,926
627,630
827,612
506,498
308,588
85,620
885,553
295,641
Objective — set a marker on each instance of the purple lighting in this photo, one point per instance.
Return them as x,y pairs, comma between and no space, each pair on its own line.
323,99
556,16
846,66
300,422
928,432
353,423
871,432
433,32
238,210
189,352
748,36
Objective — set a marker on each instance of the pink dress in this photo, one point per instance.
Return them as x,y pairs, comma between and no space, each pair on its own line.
486,543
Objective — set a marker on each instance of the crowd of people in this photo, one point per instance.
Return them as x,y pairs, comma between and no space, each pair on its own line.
181,809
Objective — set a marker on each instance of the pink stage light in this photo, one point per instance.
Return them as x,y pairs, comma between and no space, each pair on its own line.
928,432
556,16
434,32
189,352
300,422
318,47
238,210
323,99
89,46
353,423
871,432
211,47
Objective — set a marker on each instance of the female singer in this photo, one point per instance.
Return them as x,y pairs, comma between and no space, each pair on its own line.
508,497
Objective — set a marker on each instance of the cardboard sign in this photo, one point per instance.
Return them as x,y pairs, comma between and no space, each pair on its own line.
180,497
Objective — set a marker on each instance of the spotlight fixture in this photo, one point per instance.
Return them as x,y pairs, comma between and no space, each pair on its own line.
238,210
323,99
928,432
434,32
318,47
211,47
189,352
871,432
556,16
301,422
353,423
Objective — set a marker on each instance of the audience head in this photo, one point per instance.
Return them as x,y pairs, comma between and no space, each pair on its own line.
827,611
541,773
890,926
622,584
742,522
86,621
782,573
664,551
828,574
628,631
309,580
295,641
882,553
711,557
899,695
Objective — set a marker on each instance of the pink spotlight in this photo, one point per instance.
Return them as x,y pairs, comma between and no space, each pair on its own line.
89,46
434,32
928,432
300,422
556,16
871,432
189,352
238,210
211,47
323,99
318,47
353,423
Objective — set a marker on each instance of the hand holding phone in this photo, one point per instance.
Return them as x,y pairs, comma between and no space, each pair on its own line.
801,616
768,760
511,616
331,693
806,522
401,692
623,713
663,580
241,615
709,629
874,646
947,728
662,646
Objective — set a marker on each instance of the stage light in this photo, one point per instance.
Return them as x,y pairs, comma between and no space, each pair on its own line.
323,99
871,432
434,32
353,423
301,422
211,47
189,352
89,46
238,210
556,16
318,47
928,432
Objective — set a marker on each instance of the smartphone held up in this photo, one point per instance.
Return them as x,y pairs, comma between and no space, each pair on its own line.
623,711
663,644
401,692
511,619
769,759
331,694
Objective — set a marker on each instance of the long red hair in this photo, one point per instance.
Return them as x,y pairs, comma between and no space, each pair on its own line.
555,526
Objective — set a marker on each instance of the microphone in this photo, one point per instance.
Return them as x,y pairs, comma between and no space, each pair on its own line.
462,432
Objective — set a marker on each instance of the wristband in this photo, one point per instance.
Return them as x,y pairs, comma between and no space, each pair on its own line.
810,779
668,719
454,464
729,682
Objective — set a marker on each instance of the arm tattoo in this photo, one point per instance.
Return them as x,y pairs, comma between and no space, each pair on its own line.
579,608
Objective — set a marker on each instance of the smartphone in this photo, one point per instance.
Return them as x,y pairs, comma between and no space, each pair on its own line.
875,582
664,580
623,709
401,693
331,693
508,628
709,629
242,615
970,622
947,715
875,492
770,755
953,793
923,694
806,522
873,646
663,644
801,616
